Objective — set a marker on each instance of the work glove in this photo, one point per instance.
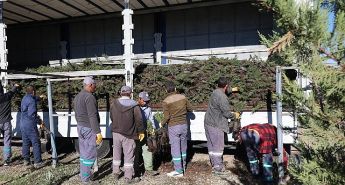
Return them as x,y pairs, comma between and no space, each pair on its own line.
161,125
235,89
141,136
237,115
99,138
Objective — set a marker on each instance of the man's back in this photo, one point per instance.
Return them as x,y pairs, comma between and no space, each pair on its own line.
126,117
175,108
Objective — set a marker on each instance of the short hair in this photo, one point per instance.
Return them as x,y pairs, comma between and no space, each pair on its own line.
170,86
30,89
222,82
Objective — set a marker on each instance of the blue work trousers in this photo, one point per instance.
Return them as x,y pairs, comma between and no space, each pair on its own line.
30,136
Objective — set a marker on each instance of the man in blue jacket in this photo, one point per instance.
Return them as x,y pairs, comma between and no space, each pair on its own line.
29,121
5,121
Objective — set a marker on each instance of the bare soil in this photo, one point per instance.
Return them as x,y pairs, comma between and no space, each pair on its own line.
67,172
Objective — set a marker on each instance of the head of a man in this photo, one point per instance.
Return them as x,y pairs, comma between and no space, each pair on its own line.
126,91
143,98
31,90
170,87
224,84
89,84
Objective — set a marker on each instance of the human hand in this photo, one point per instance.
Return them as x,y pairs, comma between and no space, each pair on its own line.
141,136
43,96
99,138
237,115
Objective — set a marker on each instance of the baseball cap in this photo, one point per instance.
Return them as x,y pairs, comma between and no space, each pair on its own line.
144,95
126,89
88,80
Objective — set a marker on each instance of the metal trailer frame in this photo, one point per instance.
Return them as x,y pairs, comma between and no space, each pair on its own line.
127,42
279,115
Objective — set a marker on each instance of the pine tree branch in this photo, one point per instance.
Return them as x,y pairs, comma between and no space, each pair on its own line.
281,44
330,55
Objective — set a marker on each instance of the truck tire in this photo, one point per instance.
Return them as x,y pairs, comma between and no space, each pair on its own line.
103,149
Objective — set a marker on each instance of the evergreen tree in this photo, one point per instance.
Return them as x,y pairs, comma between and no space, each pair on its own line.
303,39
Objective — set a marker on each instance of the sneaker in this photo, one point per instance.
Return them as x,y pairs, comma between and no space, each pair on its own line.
131,181
26,163
175,174
151,173
117,176
38,165
7,162
220,172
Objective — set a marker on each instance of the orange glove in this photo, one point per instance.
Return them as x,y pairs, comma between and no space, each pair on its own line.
141,136
99,138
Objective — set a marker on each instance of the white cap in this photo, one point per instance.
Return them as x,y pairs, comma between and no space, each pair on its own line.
88,80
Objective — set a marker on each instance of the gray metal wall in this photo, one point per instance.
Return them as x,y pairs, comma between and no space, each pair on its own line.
205,27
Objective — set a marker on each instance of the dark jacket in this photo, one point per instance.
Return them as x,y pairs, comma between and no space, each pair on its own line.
218,111
175,108
5,105
28,109
86,111
126,118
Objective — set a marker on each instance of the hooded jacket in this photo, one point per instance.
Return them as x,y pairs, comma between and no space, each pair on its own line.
126,118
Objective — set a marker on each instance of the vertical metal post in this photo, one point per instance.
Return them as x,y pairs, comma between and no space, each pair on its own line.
3,49
51,123
127,43
279,121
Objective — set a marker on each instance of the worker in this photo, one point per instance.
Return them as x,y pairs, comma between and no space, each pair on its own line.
28,127
5,121
88,125
260,141
175,108
149,123
127,126
216,124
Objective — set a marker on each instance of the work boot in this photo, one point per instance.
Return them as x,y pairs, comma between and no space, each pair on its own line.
7,162
27,162
151,173
131,181
38,165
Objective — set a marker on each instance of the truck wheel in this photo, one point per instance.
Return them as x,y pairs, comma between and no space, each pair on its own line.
102,150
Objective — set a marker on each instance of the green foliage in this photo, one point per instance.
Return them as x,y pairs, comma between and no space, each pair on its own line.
321,111
196,80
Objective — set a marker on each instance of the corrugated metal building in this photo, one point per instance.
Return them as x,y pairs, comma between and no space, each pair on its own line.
40,31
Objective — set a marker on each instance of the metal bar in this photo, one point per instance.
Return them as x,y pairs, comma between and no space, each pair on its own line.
65,79
118,4
57,115
29,9
74,7
142,3
97,6
20,15
51,8
31,73
279,121
51,124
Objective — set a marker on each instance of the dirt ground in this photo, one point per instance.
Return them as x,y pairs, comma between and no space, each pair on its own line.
67,172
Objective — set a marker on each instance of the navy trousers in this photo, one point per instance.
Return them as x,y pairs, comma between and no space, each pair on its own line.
30,136
251,141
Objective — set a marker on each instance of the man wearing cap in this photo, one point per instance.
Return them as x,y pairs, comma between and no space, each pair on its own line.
127,126
28,127
146,111
89,132
5,121
175,108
